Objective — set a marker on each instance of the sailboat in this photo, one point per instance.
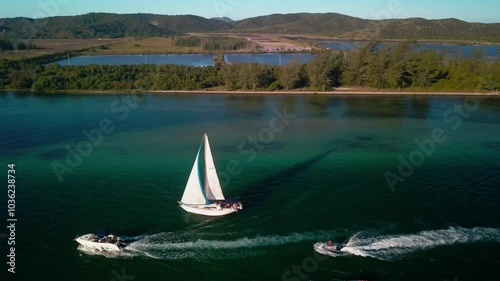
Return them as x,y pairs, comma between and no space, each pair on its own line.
203,193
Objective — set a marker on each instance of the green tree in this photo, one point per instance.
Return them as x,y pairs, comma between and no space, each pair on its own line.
427,69
230,76
324,71
399,69
21,46
5,45
292,75
356,65
378,64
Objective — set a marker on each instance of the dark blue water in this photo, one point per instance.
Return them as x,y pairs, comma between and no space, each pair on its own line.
491,51
269,59
185,59
198,60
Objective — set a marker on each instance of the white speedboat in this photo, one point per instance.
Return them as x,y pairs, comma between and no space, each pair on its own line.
203,194
328,248
108,243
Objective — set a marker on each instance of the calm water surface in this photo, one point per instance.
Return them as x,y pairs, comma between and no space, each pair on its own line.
319,176
490,51
185,59
199,60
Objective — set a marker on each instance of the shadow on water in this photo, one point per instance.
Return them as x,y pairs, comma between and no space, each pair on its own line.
273,147
256,192
494,145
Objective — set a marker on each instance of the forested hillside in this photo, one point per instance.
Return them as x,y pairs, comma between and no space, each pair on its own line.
339,25
104,25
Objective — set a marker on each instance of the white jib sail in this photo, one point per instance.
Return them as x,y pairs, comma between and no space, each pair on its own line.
193,194
213,189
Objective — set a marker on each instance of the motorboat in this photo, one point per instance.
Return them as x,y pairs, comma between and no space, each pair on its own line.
107,243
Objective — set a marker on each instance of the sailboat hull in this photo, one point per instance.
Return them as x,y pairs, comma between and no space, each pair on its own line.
207,210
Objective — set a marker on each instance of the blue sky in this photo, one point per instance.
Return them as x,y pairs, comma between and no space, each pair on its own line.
479,10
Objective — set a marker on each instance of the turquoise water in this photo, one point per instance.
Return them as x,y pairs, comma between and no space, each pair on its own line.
185,59
310,177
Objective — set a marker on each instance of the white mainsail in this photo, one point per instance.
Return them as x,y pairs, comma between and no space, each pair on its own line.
203,192
193,194
213,190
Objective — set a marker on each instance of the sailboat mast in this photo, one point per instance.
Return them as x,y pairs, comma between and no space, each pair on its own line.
205,170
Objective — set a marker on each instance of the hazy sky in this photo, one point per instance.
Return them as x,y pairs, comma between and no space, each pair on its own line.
479,10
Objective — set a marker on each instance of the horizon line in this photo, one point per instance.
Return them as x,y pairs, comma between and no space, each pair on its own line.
265,15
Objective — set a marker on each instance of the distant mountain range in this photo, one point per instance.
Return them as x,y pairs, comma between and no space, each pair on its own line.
224,19
105,25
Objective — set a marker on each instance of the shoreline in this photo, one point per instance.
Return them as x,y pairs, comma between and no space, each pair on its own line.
339,92
91,48
328,93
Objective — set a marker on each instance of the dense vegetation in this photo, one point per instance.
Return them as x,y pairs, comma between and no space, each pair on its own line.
333,24
104,25
7,45
213,43
392,67
97,25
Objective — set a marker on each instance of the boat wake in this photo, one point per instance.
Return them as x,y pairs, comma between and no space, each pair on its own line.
176,246
158,241
392,247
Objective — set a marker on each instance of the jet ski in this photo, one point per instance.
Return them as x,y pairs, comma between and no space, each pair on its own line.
328,248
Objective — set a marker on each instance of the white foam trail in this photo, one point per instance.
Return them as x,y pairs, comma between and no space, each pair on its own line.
396,246
259,241
173,246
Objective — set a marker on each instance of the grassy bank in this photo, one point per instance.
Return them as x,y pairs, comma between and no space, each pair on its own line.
121,46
